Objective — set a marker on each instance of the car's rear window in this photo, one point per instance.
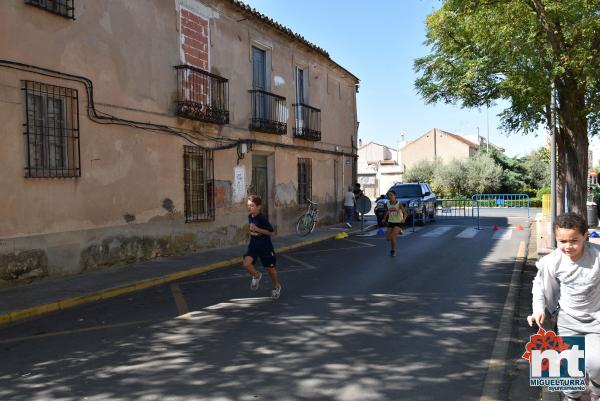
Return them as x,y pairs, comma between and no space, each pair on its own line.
407,191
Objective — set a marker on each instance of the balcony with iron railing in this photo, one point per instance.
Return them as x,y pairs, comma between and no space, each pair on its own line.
201,95
269,112
308,122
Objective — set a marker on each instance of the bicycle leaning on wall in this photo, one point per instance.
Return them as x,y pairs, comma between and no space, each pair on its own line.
308,221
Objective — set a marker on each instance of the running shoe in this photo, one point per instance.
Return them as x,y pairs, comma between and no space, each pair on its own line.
392,253
255,281
276,292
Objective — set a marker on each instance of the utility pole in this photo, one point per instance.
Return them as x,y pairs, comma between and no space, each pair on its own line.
487,121
553,115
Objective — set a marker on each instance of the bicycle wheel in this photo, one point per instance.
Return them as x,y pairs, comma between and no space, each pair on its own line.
304,223
313,223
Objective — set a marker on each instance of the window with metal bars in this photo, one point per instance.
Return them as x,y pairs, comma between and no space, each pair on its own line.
51,130
64,8
304,180
198,184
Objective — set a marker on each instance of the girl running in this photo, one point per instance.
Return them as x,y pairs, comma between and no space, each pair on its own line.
395,216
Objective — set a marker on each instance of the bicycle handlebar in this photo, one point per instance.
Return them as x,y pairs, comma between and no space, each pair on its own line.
311,202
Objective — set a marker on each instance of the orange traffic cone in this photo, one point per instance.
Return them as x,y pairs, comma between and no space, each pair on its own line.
520,228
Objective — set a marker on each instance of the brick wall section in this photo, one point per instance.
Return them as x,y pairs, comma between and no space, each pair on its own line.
194,33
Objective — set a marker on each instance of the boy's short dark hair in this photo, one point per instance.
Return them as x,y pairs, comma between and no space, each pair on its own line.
571,221
257,200
391,191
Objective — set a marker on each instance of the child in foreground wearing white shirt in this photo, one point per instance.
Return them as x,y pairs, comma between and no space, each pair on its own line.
569,279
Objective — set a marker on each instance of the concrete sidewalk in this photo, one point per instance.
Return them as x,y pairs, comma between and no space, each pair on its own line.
28,300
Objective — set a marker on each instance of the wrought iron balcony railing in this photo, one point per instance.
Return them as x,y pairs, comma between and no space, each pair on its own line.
308,122
269,112
202,95
60,7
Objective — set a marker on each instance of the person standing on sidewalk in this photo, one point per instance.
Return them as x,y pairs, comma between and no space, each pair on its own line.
260,246
568,278
349,206
357,194
395,215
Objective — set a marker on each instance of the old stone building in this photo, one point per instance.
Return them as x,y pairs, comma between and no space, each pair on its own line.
135,129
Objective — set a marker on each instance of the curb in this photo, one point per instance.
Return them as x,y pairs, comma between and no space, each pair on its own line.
494,378
11,317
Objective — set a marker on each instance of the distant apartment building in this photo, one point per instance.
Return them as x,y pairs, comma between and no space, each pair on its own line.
135,129
381,166
378,168
437,144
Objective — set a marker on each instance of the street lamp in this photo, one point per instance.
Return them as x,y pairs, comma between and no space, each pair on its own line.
553,123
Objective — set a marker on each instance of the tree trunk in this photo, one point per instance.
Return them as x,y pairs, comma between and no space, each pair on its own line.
570,87
573,124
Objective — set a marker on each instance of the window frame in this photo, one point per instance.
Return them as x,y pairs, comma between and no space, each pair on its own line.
198,184
259,71
301,95
43,136
304,180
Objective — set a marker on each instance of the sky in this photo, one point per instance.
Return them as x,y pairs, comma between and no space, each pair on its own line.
378,42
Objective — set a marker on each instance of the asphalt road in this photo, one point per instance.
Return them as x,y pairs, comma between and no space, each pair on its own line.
352,323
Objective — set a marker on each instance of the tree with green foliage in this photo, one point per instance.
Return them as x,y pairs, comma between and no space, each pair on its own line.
484,175
514,174
537,166
516,50
449,179
422,171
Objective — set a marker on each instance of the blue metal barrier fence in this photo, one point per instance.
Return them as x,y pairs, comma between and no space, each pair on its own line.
499,201
454,207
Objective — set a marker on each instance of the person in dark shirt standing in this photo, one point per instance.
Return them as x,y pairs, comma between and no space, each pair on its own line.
260,246
357,194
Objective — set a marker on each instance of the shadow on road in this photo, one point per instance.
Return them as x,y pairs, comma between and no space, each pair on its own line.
385,337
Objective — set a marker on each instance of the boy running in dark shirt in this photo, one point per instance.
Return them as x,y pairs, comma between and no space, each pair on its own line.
260,246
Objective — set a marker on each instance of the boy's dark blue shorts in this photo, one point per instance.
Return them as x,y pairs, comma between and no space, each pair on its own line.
267,258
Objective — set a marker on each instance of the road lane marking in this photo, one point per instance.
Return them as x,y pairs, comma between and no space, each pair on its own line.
300,262
371,233
182,307
503,234
436,232
76,331
468,233
497,362
363,245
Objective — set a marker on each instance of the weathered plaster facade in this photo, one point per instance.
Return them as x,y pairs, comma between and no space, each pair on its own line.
128,202
436,144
